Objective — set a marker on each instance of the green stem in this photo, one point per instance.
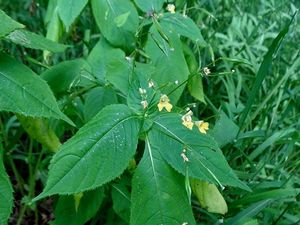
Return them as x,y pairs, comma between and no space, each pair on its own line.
19,179
22,213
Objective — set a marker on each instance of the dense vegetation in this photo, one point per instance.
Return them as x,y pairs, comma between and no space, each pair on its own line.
149,112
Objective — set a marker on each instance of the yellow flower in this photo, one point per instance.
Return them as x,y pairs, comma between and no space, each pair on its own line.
203,126
187,120
164,102
171,8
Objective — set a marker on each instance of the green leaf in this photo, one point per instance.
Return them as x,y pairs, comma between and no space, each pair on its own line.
169,61
99,152
6,192
121,200
140,81
69,10
195,87
54,26
150,5
263,72
63,76
109,64
96,99
8,24
206,161
22,91
275,194
182,25
34,41
117,21
66,213
225,130
121,20
247,213
158,192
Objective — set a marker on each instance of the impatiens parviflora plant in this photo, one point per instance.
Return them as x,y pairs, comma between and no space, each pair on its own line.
174,153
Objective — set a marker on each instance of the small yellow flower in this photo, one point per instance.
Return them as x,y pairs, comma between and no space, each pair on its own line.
203,126
187,120
164,102
171,8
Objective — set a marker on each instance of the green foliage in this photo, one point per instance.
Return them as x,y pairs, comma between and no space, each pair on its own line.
169,61
121,200
9,24
225,130
108,64
148,6
69,10
158,193
63,76
206,160
66,211
186,112
27,94
34,41
117,22
107,143
6,192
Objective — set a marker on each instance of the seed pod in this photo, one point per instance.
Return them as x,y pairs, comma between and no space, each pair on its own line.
209,196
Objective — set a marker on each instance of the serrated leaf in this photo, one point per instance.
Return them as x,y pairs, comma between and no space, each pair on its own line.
158,192
168,58
69,10
66,212
22,91
110,17
149,5
109,64
182,25
6,192
34,41
8,24
99,152
206,161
